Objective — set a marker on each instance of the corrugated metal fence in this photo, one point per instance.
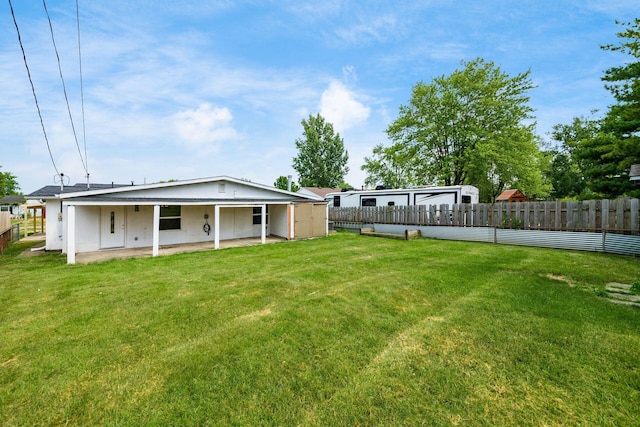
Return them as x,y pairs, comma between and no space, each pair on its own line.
597,225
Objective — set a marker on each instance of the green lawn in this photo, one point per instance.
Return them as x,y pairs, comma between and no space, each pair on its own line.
347,330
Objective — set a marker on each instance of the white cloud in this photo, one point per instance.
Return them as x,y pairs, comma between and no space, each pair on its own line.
339,106
376,29
205,127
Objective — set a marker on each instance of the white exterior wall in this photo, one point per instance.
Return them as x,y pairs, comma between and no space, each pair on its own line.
278,221
54,232
235,223
87,228
210,190
139,227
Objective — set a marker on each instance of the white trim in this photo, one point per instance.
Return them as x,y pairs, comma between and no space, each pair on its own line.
124,202
292,223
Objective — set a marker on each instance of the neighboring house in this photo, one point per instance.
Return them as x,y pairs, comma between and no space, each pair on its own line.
11,204
179,212
634,174
318,192
511,196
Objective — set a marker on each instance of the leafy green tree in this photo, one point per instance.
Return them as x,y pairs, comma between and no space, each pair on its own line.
573,164
388,166
322,158
8,184
283,184
564,176
466,128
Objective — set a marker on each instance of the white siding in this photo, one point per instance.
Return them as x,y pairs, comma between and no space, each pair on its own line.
278,223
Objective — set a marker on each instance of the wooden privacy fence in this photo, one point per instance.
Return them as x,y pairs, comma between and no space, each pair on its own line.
620,216
5,221
5,230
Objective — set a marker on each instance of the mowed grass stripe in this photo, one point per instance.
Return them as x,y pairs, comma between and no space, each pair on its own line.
347,330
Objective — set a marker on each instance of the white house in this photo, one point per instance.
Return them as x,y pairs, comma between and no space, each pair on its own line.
81,219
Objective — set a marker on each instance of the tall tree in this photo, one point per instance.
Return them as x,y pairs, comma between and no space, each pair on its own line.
622,122
388,166
283,184
564,176
322,158
592,150
8,184
605,149
469,128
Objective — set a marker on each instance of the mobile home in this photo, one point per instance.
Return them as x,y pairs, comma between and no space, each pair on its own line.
404,196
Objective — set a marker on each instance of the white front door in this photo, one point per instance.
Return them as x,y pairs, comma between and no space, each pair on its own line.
112,227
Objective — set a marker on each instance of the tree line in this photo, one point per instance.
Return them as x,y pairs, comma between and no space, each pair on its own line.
475,126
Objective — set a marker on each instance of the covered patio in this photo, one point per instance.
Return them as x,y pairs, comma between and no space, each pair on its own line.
121,253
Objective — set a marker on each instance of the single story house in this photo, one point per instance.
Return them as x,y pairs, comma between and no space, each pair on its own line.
81,219
11,204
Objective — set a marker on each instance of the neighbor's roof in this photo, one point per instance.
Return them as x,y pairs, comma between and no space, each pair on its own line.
321,191
508,194
12,199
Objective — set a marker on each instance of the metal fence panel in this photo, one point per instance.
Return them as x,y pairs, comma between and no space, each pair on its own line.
573,240
622,244
472,234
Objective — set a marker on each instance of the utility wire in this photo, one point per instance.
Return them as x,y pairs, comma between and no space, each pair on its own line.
64,88
84,129
33,89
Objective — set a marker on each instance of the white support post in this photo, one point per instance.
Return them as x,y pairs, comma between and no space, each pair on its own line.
292,221
156,230
263,223
326,220
216,227
71,234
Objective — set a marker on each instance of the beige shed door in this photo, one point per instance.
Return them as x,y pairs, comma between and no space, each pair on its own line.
311,220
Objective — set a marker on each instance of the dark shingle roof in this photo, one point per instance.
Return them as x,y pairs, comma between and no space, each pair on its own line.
53,190
12,199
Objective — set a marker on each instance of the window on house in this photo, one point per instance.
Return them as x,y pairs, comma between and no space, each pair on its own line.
336,201
369,202
466,199
170,218
257,216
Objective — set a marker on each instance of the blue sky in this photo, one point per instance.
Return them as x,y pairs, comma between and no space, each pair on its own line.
191,89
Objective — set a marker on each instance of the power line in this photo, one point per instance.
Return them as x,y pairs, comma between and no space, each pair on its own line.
84,131
64,88
33,89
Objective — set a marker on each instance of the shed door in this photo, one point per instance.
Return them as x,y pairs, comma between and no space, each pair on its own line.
112,227
311,220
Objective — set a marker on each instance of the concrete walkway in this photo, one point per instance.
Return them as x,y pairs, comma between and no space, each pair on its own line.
622,293
107,254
